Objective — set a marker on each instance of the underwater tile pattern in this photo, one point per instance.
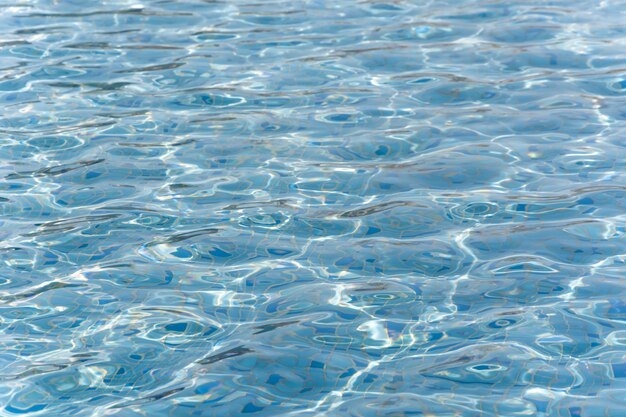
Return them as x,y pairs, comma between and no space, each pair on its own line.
353,208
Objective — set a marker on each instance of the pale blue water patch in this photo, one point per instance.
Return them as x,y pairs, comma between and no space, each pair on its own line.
313,208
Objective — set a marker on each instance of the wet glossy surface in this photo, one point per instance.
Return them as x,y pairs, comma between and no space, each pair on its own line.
349,208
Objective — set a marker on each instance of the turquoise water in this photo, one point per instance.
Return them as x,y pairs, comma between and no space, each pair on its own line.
313,208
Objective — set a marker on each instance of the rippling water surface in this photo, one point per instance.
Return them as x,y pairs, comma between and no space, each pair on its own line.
313,208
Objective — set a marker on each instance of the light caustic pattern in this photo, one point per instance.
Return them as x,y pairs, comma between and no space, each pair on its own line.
313,208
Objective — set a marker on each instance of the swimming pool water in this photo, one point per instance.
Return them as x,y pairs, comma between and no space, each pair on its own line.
313,208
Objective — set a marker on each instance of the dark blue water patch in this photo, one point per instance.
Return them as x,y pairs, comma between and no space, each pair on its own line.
585,242
453,94
385,61
523,34
493,12
546,59
441,172
378,256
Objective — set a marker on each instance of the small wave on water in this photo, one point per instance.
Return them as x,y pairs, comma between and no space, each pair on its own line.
313,208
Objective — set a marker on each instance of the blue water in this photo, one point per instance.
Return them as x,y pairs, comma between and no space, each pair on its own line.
313,208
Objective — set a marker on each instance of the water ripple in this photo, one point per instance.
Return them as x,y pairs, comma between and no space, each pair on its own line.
312,208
